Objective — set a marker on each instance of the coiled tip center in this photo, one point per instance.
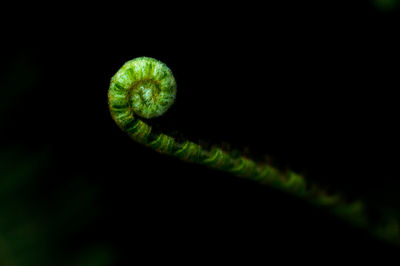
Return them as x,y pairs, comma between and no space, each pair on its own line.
145,85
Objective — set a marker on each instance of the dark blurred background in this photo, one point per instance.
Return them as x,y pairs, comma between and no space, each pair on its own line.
308,86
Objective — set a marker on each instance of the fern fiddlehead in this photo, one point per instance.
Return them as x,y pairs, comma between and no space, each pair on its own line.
145,87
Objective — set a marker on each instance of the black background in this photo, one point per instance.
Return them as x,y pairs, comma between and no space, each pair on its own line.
310,85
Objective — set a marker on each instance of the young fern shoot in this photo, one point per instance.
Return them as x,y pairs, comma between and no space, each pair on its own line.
145,88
